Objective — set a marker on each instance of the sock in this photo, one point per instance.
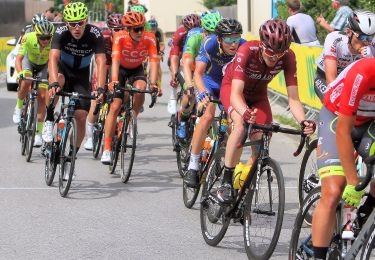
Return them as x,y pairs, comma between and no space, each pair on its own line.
19,103
228,174
158,83
194,162
320,253
89,129
50,111
39,127
185,116
107,143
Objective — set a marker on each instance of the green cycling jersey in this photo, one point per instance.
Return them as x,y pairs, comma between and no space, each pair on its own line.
30,47
193,44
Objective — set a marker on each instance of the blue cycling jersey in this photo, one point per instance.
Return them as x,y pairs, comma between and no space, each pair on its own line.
211,54
192,32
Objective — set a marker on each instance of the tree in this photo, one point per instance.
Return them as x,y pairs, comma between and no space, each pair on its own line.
213,3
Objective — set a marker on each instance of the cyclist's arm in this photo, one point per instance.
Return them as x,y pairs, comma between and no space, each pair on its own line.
153,59
174,64
188,68
115,68
295,104
345,147
237,100
54,57
330,65
18,64
200,68
100,61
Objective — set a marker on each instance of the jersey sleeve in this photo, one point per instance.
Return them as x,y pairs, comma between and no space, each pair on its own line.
99,40
240,62
175,44
152,49
290,70
355,87
23,46
57,36
330,47
116,46
204,55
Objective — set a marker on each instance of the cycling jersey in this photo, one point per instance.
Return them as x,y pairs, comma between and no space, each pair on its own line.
191,33
336,47
77,54
132,55
30,47
352,93
179,38
107,35
303,29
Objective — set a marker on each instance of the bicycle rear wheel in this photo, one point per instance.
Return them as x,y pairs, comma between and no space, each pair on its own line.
50,164
30,129
264,211
68,157
128,146
116,146
368,251
214,222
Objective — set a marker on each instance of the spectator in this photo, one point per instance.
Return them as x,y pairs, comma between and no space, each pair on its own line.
302,25
339,22
132,3
58,17
49,13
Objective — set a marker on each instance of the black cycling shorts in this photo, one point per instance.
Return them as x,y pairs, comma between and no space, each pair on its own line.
129,76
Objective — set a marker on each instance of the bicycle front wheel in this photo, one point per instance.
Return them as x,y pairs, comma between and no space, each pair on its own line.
50,162
30,129
22,126
97,136
264,211
68,157
128,146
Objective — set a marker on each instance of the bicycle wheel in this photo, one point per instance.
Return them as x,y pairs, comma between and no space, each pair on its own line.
214,223
190,194
50,164
22,126
30,129
367,251
128,146
97,136
68,157
264,211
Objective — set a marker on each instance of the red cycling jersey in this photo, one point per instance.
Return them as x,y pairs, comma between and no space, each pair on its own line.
352,93
178,41
107,35
249,66
132,55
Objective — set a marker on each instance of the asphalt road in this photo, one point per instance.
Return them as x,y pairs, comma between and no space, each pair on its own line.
102,218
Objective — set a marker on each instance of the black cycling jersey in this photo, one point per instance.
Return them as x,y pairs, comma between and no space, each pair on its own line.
77,54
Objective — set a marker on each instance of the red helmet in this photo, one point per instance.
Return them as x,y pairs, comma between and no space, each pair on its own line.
191,21
132,19
114,21
275,35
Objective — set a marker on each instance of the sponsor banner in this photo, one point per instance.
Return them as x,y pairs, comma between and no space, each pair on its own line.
306,68
4,50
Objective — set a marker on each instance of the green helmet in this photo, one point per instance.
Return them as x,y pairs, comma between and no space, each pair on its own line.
209,20
44,28
74,12
138,8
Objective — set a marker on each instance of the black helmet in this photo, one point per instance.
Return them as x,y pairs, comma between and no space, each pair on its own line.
228,26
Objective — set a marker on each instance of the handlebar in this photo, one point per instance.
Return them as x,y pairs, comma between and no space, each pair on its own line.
38,80
75,95
275,128
200,112
370,161
132,90
107,98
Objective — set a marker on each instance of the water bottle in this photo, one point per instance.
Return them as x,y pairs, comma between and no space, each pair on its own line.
120,122
172,103
223,125
348,215
60,129
206,149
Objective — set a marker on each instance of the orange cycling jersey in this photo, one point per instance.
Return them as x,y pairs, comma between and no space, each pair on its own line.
132,54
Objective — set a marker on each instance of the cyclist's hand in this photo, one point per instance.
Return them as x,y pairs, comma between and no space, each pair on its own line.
53,88
20,76
173,82
249,115
308,127
99,94
204,97
155,88
365,51
351,196
111,86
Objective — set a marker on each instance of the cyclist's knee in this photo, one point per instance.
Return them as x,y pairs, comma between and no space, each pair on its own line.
332,189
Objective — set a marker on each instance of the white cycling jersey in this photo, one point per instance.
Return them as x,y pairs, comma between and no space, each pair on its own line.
336,47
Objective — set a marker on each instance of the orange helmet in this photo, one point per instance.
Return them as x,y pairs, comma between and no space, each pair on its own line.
132,19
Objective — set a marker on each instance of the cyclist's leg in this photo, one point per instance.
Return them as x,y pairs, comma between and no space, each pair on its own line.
138,80
333,183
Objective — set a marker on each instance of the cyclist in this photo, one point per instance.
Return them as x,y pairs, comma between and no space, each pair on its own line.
244,91
73,47
341,49
36,18
215,51
33,55
159,35
209,21
130,48
348,112
114,25
190,21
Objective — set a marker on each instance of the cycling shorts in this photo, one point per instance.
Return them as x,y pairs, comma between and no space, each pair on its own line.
77,80
40,70
212,87
320,84
129,76
328,160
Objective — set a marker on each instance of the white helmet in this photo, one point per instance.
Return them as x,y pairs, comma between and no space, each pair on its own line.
362,21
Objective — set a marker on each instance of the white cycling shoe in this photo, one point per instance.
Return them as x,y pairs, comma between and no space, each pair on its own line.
88,145
17,115
106,157
38,140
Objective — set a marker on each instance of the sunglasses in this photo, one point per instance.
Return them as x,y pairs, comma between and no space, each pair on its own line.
116,29
76,24
363,37
231,40
44,38
138,29
271,54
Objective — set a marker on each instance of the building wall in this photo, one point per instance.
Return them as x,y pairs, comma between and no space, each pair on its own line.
35,6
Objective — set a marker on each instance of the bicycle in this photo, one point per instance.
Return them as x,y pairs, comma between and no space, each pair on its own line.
301,240
258,205
125,138
62,150
28,123
218,134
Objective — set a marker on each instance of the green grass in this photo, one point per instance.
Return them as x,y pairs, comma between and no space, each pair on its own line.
286,121
3,57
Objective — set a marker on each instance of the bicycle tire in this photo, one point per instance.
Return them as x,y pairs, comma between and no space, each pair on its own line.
270,222
69,137
22,126
97,136
31,129
50,164
190,195
128,145
116,146
212,215
368,251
